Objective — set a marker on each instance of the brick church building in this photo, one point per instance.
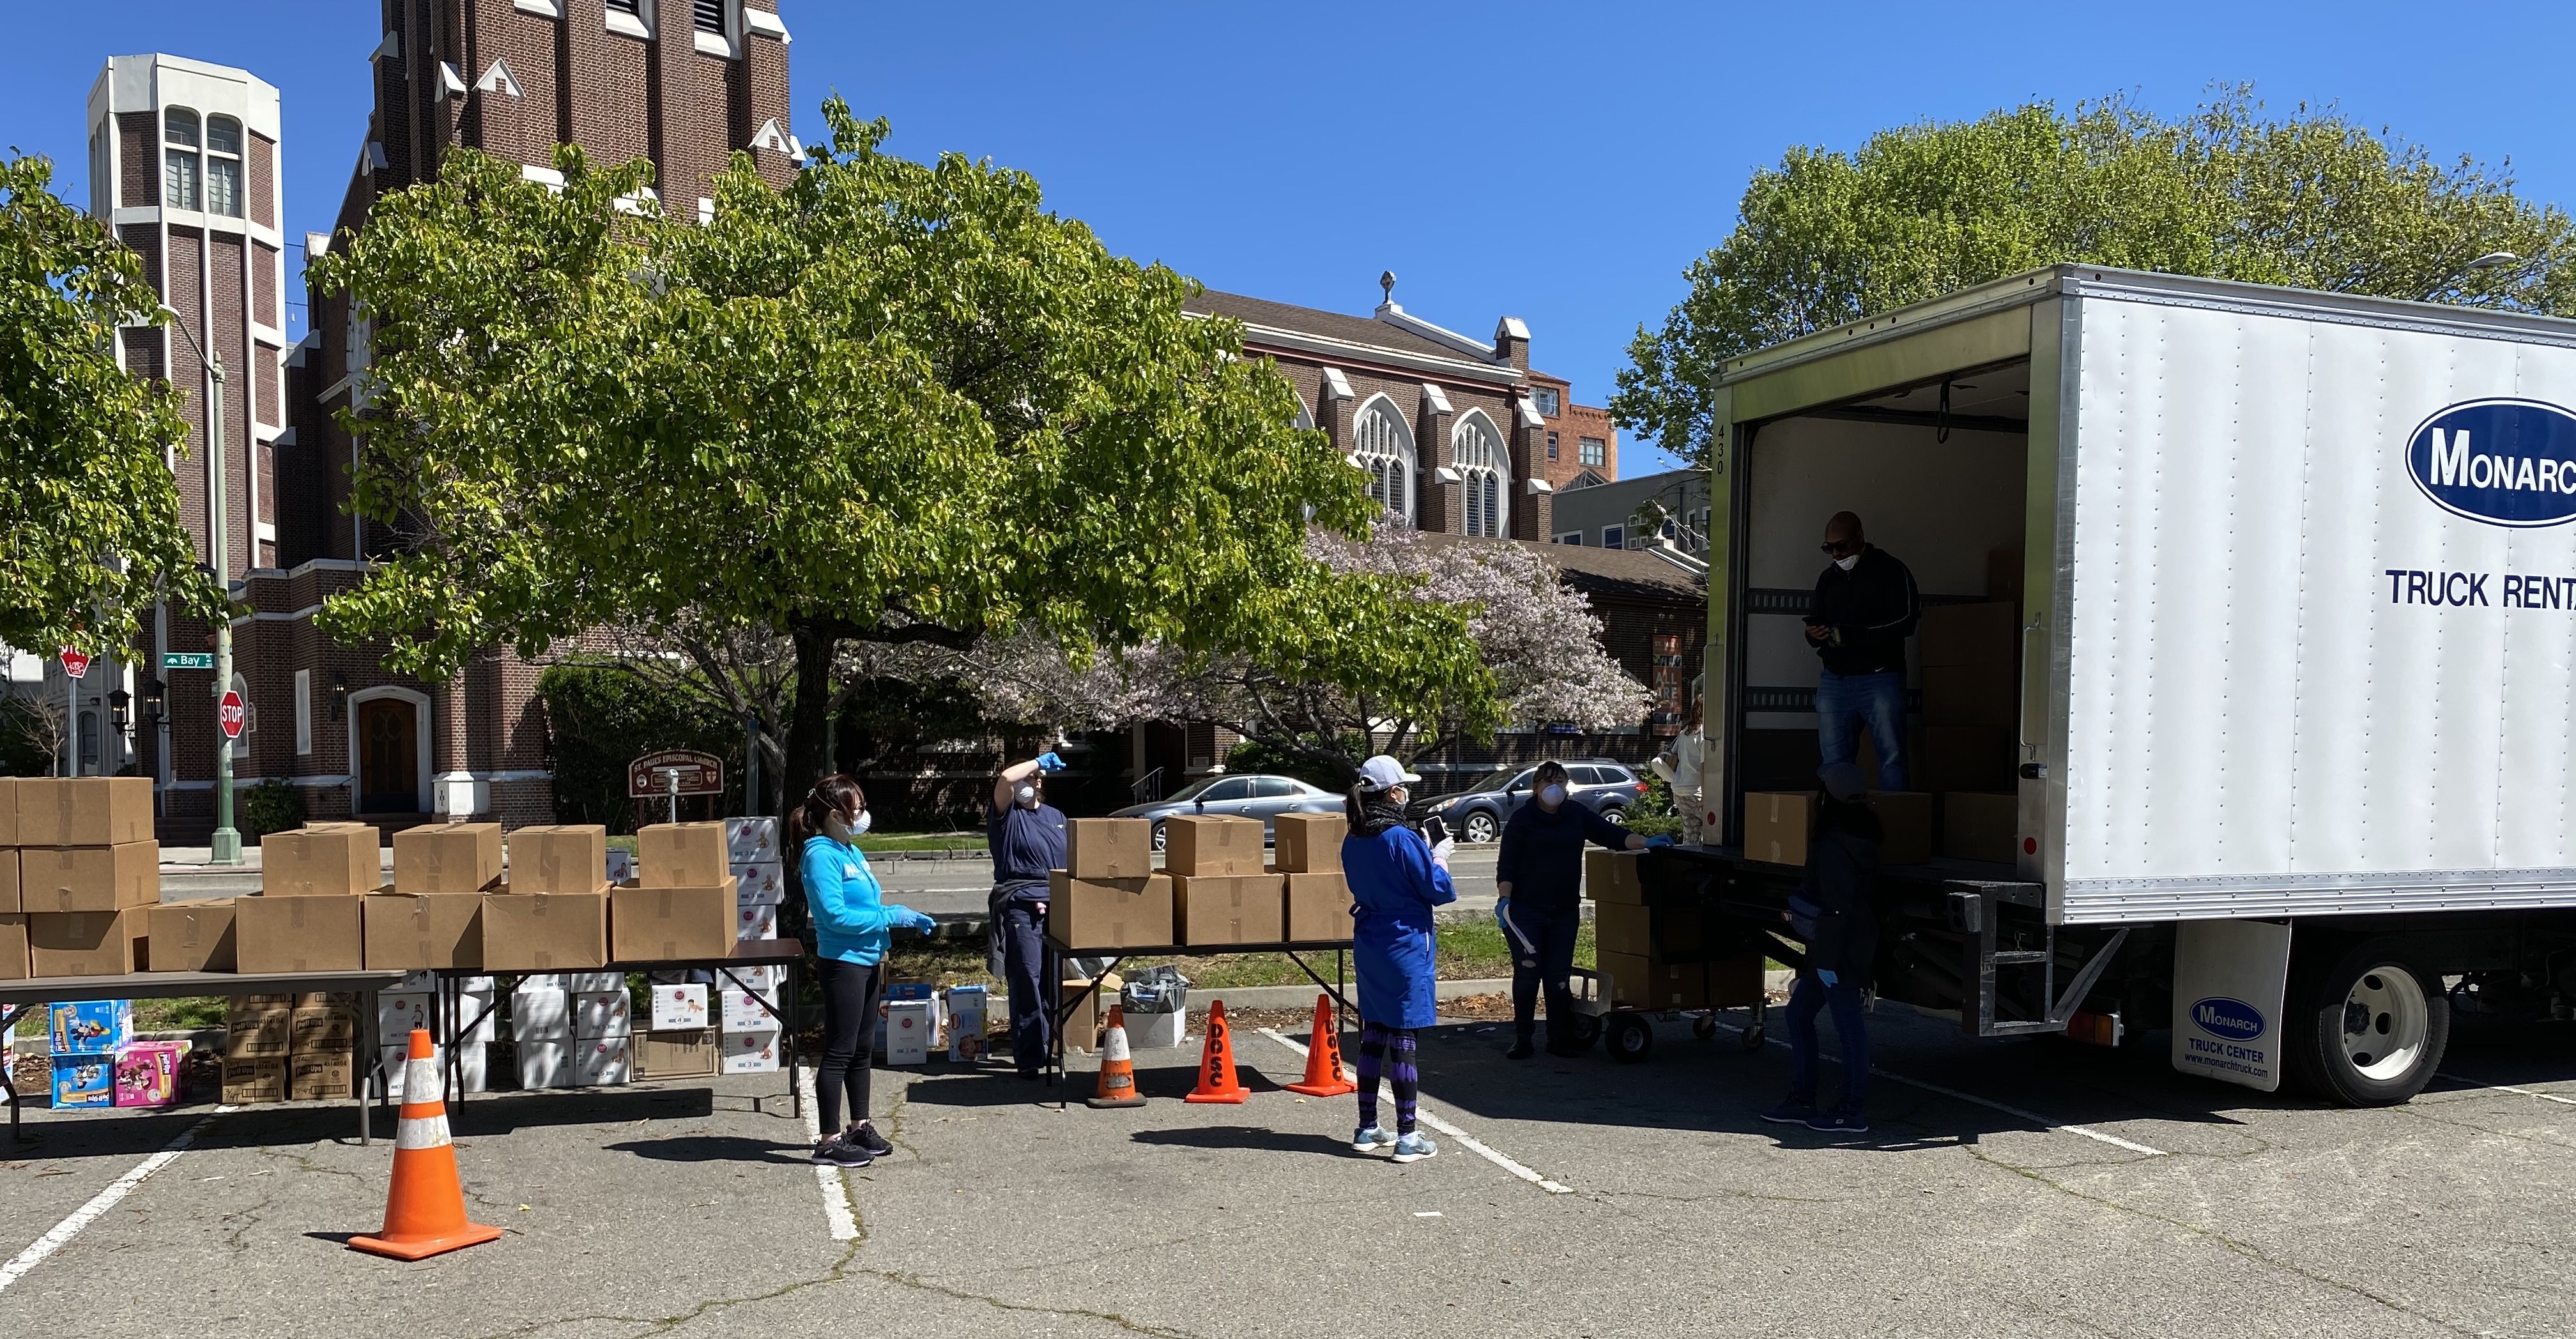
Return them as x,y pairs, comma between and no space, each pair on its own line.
191,153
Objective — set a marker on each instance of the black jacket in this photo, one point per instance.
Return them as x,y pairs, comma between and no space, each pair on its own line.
1542,855
1872,609
1840,882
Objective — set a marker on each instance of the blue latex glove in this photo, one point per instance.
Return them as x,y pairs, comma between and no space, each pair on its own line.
1049,762
913,920
1658,843
1828,978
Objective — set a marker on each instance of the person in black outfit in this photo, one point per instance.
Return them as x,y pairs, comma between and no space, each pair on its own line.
1538,882
1027,837
1864,608
1832,914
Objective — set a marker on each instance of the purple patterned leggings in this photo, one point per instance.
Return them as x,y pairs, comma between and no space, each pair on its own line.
1377,1043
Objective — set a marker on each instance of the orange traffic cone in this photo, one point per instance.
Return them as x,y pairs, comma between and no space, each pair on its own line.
1216,1063
1117,1068
425,1212
1324,1056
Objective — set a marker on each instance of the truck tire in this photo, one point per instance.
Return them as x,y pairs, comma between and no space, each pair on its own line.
2366,1027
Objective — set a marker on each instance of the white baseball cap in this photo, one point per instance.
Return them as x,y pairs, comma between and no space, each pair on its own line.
1384,773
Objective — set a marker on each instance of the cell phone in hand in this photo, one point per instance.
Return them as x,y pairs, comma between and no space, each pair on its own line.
1434,831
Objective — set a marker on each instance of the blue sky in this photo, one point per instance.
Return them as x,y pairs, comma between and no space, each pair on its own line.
1561,163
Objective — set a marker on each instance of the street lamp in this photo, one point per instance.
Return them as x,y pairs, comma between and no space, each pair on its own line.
227,839
2493,260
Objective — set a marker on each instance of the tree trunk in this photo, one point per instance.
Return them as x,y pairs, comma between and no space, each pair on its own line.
809,727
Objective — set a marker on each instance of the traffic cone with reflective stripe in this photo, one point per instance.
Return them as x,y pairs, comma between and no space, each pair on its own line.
1117,1067
1324,1056
1216,1063
425,1212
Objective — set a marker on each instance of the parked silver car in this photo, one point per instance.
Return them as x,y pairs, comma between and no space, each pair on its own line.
1477,814
1254,796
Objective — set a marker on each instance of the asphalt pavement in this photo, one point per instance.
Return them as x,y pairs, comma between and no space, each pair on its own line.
2030,1187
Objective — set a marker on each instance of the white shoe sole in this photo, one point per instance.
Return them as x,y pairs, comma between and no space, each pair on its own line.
1415,1157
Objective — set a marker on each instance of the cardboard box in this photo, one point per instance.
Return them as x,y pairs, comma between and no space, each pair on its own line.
325,999
320,1029
1319,907
448,858
679,1008
1611,876
1642,932
759,883
192,936
602,1062
1213,846
1776,825
299,934
561,858
472,1063
755,923
83,811
1975,695
85,943
13,947
91,1027
84,1081
1109,848
1977,826
259,1034
574,982
399,1011
1736,983
680,855
1906,823
602,1013
9,903
621,865
1984,635
416,930
320,1077
909,1028
1310,843
545,1064
745,1011
240,1004
545,932
689,1054
1229,908
1110,913
1652,983
254,1079
757,1053
89,878
1963,757
1082,1026
677,923
342,861
752,841
147,1073
8,813
2004,574
969,1014
539,1014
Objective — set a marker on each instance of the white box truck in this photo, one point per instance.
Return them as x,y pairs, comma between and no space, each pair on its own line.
2292,635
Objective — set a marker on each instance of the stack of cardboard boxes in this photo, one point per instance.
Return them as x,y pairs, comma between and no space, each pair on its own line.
1659,956
552,916
1971,721
87,1039
297,1048
679,1041
1108,895
753,857
572,1030
413,1003
1309,863
79,873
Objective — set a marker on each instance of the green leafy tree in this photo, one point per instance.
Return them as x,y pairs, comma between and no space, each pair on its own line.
896,402
89,511
2308,200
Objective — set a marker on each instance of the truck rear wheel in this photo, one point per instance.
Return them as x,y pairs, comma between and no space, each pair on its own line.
2366,1028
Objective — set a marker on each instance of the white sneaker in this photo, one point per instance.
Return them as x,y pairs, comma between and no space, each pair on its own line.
1370,1138
1414,1148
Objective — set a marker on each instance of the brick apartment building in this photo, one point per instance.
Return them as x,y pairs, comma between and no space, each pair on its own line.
684,85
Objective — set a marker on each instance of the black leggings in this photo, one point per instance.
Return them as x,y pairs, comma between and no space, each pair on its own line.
849,1016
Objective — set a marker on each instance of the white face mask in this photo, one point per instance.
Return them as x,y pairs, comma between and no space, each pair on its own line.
1028,797
1849,563
844,830
1552,796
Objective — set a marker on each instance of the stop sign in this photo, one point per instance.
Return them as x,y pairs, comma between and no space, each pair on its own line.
75,661
228,713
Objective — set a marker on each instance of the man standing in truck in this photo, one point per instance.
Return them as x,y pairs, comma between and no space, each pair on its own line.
1864,609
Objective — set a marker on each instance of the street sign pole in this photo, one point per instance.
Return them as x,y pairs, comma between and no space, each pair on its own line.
227,840
71,722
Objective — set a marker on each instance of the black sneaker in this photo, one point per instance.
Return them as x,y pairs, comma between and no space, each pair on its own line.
834,1151
1521,1050
864,1137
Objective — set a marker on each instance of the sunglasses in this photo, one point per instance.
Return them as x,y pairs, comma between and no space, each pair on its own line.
1839,547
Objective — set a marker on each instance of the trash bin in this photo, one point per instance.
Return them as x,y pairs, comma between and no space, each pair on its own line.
1156,1003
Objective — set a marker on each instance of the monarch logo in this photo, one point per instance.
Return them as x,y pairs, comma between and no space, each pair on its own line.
2234,1019
2504,462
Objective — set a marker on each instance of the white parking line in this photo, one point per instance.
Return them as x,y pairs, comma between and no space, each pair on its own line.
2507,1088
100,1203
1426,1116
836,1191
2032,1116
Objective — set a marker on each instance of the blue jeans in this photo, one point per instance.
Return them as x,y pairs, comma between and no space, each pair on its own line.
1809,997
1875,700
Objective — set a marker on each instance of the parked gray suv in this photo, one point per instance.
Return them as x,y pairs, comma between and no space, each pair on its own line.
1477,814
1255,796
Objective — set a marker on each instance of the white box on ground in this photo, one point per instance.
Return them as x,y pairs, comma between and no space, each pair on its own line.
545,1064
589,982
601,1061
621,865
759,883
743,1012
911,1026
756,922
750,1053
398,1012
472,1060
602,1013
751,839
420,982
967,1012
679,1008
1157,1031
540,1015
765,982
681,976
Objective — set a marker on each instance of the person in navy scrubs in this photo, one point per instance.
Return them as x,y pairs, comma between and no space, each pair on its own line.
1027,837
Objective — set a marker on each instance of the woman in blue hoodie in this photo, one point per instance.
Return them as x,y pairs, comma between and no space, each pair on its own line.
1396,879
851,921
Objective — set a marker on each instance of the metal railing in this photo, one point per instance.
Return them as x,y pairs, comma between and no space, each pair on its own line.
1148,788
